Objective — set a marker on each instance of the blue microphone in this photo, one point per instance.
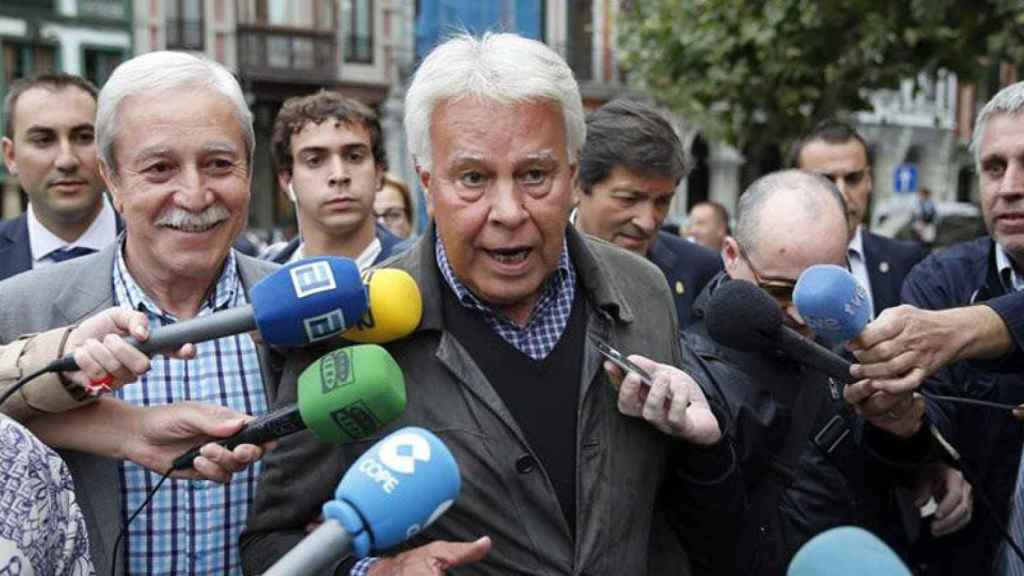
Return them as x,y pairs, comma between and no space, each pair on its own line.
846,551
309,300
393,491
303,302
832,302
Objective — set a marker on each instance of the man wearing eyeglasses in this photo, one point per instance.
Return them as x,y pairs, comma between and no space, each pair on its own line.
805,461
836,151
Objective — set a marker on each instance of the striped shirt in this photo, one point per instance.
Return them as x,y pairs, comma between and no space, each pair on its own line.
191,526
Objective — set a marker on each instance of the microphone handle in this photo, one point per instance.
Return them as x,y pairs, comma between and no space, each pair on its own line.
810,353
815,355
329,542
217,325
270,426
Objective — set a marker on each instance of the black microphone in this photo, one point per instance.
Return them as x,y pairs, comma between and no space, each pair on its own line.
740,315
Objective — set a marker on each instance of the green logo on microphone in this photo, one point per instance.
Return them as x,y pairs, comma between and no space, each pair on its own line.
336,370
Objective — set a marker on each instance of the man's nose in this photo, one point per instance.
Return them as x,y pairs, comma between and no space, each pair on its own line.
339,172
67,159
192,193
646,218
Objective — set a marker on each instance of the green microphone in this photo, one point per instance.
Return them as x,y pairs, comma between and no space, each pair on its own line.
351,393
345,395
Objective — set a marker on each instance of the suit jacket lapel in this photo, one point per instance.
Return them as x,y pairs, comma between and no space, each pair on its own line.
15,252
884,293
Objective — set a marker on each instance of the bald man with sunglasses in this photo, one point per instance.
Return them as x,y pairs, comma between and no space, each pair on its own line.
805,460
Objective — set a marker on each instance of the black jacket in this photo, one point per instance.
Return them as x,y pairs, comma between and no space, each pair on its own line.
804,462
687,267
988,440
888,262
389,246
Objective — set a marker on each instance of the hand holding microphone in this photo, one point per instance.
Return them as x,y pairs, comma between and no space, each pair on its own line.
393,491
346,394
740,315
303,302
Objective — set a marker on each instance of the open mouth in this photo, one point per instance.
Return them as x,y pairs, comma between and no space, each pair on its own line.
510,256
193,227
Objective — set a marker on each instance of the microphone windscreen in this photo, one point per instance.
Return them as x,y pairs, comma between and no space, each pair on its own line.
846,551
832,302
395,307
351,393
398,487
309,300
742,316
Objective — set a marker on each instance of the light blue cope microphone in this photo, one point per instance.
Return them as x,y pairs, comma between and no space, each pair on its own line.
846,551
832,303
301,303
393,491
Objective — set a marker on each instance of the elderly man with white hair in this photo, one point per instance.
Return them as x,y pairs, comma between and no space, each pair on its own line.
560,459
175,143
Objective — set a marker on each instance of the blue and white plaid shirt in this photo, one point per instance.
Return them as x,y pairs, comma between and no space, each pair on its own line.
191,527
547,320
537,339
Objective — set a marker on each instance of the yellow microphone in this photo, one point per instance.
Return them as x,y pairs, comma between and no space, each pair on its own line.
395,309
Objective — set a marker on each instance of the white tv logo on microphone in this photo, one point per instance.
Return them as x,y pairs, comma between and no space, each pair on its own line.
401,452
312,278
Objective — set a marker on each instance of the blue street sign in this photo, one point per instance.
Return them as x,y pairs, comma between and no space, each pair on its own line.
905,179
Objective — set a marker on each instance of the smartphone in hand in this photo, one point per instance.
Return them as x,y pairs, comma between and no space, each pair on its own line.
620,360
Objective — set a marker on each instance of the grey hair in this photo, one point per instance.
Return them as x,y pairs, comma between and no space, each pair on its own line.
505,68
807,185
1009,100
161,71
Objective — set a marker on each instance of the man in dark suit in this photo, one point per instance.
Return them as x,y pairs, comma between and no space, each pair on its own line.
835,150
50,147
331,161
630,166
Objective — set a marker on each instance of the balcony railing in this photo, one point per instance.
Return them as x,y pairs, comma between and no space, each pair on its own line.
105,9
277,53
184,34
359,49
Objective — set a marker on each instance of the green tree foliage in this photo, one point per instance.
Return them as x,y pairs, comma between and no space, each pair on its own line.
757,71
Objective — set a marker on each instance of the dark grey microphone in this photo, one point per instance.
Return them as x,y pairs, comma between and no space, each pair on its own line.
228,322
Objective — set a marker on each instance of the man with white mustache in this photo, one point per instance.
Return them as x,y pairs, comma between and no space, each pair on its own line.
175,144
50,147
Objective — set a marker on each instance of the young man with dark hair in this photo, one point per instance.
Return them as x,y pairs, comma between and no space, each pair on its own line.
630,165
331,162
49,146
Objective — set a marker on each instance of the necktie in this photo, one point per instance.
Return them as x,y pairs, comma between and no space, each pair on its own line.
68,253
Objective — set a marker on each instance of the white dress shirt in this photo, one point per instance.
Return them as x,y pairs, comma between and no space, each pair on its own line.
97,236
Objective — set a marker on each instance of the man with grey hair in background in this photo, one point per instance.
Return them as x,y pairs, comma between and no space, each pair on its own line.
560,459
175,143
806,461
980,271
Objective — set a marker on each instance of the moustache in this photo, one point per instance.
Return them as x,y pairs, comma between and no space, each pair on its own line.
177,217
